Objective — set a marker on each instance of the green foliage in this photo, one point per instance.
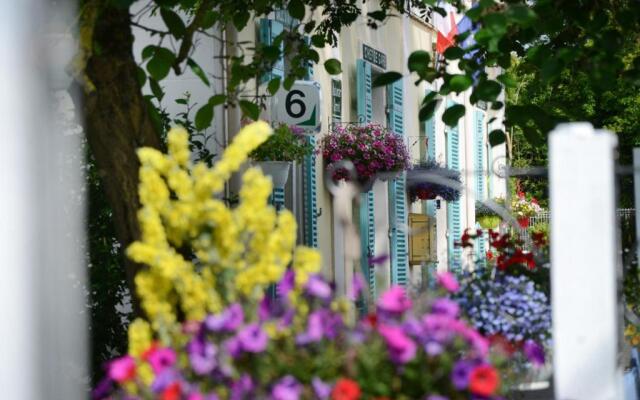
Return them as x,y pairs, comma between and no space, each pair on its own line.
386,78
332,66
283,145
106,277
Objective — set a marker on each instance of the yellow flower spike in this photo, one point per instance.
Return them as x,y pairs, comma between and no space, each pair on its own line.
139,337
153,158
234,254
178,145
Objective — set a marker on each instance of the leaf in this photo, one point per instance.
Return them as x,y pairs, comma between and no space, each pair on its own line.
296,9
419,60
288,82
156,89
453,53
317,41
158,68
460,83
148,52
160,64
250,109
386,78
181,101
217,99
378,15
240,19
427,110
141,76
173,22
453,114
497,137
198,71
521,14
274,85
204,116
209,19
487,90
333,66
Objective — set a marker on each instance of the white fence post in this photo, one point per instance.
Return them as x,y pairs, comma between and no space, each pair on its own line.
636,195
585,264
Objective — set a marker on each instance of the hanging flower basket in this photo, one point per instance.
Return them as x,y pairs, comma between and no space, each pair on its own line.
374,151
487,217
277,170
424,182
489,221
274,157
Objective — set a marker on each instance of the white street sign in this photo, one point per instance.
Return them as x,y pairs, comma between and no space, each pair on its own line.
298,106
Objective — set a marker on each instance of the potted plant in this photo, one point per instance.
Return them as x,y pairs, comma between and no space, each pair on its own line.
524,209
486,217
376,153
274,157
421,187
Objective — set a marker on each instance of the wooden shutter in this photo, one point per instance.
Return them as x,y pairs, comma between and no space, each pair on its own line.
397,194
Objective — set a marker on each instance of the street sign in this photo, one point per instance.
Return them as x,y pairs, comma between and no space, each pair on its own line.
298,106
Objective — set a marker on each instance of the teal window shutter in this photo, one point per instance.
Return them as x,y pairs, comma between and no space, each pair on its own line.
367,209
397,194
268,31
364,91
454,222
479,166
277,198
479,154
309,72
430,131
310,198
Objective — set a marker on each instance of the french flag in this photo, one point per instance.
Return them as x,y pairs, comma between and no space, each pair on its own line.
449,26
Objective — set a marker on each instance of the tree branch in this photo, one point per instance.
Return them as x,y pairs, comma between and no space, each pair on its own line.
187,39
150,30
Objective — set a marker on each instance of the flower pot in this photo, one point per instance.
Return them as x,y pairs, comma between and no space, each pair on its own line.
489,221
388,175
277,170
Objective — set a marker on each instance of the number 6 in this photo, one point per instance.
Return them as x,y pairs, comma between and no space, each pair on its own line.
290,101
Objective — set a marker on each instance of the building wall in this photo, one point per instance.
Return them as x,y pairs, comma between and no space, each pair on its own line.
397,38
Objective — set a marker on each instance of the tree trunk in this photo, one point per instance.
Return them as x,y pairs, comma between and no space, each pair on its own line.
117,123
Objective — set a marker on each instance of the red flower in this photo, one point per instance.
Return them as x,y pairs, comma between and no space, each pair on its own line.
372,320
484,380
172,392
523,222
489,255
345,389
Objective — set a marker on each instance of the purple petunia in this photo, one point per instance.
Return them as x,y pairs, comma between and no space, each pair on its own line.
534,352
401,348
253,339
460,374
227,321
321,389
317,287
287,388
394,301
202,355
